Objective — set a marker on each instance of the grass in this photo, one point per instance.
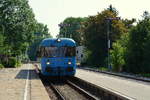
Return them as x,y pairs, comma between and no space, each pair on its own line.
145,75
103,68
100,68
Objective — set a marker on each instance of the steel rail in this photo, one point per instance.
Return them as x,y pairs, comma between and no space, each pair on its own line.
83,92
51,85
60,96
100,92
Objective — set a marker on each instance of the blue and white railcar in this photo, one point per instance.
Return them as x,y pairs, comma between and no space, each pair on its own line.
58,57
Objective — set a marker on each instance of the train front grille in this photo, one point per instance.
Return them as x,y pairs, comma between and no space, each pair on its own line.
48,69
69,69
59,69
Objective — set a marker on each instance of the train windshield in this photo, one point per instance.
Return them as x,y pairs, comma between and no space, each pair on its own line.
57,51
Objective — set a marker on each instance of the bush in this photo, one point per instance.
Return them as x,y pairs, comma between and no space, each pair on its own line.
12,62
117,57
138,49
146,75
18,63
4,61
117,54
103,69
1,66
9,62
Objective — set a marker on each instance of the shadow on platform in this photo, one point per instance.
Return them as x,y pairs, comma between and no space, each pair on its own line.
23,74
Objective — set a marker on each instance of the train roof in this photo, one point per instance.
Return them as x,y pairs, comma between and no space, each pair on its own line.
58,42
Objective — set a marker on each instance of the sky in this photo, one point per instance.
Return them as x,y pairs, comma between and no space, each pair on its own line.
53,12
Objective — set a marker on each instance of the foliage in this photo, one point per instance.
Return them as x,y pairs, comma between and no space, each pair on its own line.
18,23
33,48
129,23
144,75
1,43
117,57
95,34
9,62
146,62
18,30
138,53
12,62
70,28
1,66
18,63
41,32
87,59
103,69
118,53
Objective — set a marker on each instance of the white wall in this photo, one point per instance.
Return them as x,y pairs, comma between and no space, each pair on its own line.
80,53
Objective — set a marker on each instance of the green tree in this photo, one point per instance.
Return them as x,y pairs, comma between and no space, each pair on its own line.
41,32
70,28
95,34
118,53
146,62
138,47
18,29
18,21
1,43
129,23
117,57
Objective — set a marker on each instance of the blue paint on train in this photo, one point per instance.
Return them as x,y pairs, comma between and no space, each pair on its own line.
54,42
58,57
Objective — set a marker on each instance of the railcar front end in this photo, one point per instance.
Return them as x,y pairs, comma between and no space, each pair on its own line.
58,57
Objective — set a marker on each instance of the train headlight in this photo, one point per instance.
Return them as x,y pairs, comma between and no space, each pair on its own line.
58,40
48,63
69,63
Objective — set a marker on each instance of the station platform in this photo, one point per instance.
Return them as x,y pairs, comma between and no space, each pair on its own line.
21,84
127,87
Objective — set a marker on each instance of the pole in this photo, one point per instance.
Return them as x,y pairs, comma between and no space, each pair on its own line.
108,39
108,44
3,29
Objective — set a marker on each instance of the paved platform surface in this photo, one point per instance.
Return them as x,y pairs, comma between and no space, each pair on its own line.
21,84
130,88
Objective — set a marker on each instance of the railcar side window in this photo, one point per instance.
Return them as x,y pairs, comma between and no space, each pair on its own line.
39,52
70,52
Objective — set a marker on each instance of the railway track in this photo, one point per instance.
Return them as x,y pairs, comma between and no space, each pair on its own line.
77,89
73,88
66,90
83,92
57,91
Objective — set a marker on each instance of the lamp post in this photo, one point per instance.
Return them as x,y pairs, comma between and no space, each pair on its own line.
108,39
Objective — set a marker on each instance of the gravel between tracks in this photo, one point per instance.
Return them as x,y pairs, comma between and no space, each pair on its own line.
51,93
64,88
70,93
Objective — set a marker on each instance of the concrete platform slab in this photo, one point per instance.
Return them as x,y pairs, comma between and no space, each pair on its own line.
133,89
21,84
